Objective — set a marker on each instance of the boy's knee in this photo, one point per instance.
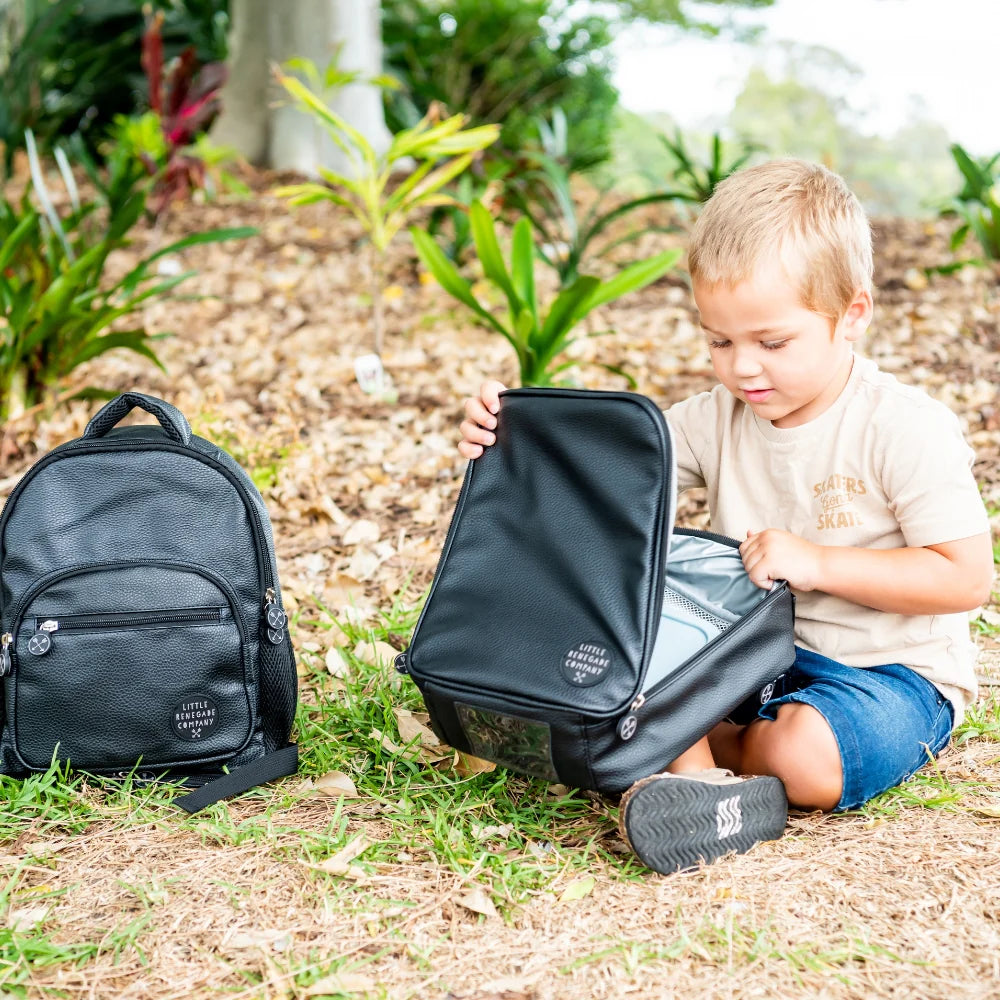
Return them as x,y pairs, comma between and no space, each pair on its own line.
799,748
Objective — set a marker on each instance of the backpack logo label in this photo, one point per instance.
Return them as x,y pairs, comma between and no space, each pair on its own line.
194,718
586,663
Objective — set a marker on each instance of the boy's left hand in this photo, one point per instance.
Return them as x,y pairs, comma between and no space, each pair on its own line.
779,555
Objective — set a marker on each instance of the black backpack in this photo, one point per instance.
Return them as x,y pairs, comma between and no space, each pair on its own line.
571,632
141,626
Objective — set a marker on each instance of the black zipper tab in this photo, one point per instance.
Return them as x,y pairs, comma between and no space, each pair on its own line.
41,642
274,619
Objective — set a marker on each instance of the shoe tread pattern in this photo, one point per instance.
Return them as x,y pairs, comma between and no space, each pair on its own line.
675,824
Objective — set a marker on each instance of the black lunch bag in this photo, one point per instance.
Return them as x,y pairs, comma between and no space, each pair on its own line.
569,633
141,627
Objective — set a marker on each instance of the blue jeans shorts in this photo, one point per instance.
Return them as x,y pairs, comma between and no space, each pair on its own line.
887,720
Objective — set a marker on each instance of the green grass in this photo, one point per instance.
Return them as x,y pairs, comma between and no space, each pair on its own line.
512,832
510,836
724,941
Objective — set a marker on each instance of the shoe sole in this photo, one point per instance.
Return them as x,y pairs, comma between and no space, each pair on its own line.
674,824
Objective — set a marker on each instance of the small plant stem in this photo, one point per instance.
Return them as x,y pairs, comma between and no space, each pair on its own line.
17,400
377,268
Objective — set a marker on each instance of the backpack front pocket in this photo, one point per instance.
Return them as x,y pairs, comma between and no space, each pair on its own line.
107,673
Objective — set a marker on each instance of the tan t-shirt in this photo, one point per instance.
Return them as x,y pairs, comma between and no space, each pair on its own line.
884,467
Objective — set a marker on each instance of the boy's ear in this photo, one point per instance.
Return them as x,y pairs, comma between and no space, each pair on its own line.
858,315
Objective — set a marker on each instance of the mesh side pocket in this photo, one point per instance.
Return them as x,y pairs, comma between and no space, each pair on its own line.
278,692
672,599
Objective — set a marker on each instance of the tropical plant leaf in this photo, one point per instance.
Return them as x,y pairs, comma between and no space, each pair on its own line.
488,248
632,278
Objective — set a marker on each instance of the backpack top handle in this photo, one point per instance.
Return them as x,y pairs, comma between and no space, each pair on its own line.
173,422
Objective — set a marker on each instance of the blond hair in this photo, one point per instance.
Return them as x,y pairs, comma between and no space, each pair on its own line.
792,212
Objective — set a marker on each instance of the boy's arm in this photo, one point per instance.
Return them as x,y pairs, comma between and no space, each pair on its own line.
933,580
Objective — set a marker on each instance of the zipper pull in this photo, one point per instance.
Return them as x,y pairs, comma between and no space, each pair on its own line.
401,664
629,724
5,640
275,619
41,642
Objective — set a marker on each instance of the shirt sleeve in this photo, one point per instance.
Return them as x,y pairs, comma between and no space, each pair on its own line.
927,478
691,425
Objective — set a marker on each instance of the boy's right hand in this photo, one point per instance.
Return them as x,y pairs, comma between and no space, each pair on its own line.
480,419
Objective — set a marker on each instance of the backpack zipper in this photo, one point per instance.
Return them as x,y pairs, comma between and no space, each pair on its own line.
43,627
125,619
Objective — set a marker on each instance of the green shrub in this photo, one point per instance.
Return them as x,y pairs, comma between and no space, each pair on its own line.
56,309
693,181
76,63
539,337
565,238
503,61
170,139
977,205
443,151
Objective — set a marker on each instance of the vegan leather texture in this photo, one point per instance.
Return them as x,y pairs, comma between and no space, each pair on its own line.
536,636
147,552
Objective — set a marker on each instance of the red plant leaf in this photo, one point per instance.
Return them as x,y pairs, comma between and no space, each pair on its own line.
152,60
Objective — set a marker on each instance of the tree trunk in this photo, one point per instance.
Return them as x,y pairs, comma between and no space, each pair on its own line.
265,32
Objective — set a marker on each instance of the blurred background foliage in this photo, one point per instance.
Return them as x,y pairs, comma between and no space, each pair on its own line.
70,66
75,66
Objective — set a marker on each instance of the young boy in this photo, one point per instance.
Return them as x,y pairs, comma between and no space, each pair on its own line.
853,487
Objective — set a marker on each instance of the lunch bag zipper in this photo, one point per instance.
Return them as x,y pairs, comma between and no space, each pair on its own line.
628,724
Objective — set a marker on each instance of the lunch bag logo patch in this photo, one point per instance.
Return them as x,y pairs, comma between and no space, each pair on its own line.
194,718
586,663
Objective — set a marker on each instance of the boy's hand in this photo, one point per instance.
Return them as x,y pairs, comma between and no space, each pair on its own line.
779,555
480,419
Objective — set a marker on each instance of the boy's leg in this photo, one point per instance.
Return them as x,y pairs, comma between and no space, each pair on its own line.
838,735
798,746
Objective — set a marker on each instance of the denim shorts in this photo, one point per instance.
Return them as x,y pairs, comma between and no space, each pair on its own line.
888,720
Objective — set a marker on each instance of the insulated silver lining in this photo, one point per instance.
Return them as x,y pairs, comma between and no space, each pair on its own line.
707,590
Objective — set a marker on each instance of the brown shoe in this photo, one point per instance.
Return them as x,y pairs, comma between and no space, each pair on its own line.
674,822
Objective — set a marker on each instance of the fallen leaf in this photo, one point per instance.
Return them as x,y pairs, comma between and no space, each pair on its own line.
501,831
25,919
478,900
360,531
578,889
336,665
467,765
340,863
336,783
379,737
339,982
375,652
341,590
410,729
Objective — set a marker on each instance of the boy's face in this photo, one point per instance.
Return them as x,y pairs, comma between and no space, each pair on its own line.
786,362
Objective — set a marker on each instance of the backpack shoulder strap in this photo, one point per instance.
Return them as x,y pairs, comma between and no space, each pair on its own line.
267,768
